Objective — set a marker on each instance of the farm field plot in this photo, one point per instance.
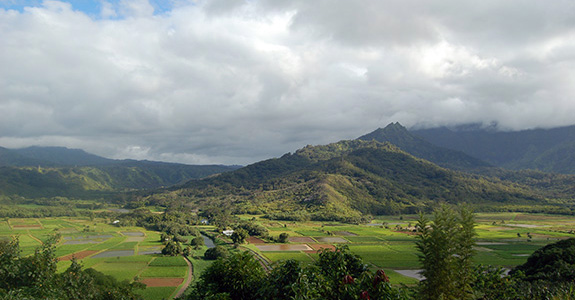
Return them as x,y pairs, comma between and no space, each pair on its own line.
165,271
284,247
279,256
126,253
157,293
121,269
504,239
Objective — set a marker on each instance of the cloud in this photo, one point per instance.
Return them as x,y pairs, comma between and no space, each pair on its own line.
236,82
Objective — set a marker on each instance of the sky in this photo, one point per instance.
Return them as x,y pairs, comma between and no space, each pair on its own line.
236,82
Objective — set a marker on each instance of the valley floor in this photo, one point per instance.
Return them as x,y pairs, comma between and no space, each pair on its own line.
133,253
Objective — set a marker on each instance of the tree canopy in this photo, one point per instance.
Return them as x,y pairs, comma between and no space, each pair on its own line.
35,277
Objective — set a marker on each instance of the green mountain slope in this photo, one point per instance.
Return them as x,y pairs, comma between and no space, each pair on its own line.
61,156
417,146
59,171
10,157
343,181
92,181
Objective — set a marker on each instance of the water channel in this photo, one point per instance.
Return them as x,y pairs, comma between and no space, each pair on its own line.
208,242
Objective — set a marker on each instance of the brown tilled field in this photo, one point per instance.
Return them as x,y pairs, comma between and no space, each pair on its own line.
155,282
78,255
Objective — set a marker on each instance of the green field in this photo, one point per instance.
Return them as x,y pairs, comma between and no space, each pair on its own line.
504,239
79,235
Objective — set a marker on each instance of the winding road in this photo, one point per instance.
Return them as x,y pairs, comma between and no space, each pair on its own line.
188,279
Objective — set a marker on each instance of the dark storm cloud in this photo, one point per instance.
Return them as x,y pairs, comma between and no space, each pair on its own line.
235,82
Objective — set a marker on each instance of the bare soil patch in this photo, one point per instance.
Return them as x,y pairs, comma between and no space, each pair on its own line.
81,242
155,282
344,233
284,247
114,253
331,240
132,233
318,247
255,240
526,225
149,250
301,239
78,255
490,243
135,239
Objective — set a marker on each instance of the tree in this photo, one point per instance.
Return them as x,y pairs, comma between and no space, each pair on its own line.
282,279
554,263
446,251
237,277
283,238
35,277
216,252
172,249
336,275
187,251
239,236
197,242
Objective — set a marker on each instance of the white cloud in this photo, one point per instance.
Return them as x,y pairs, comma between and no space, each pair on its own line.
235,82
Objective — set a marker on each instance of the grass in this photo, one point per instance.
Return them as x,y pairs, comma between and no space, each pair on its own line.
156,293
364,239
386,256
169,261
397,278
125,246
285,255
169,271
121,270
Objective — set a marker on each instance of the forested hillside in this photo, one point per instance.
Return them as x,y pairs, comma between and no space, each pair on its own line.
344,181
57,171
398,135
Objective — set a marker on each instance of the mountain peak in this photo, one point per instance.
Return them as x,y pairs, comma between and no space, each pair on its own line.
394,133
398,135
394,126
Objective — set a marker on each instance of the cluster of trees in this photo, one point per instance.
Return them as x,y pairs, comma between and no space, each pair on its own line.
175,222
35,277
335,275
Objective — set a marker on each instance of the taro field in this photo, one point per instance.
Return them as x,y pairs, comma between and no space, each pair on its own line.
127,253
132,253
504,239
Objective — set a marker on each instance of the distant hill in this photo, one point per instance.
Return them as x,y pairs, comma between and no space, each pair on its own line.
10,157
398,135
549,150
343,181
58,171
61,156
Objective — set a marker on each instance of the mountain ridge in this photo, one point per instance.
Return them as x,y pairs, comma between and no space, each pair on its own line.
59,171
343,181
549,150
399,136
